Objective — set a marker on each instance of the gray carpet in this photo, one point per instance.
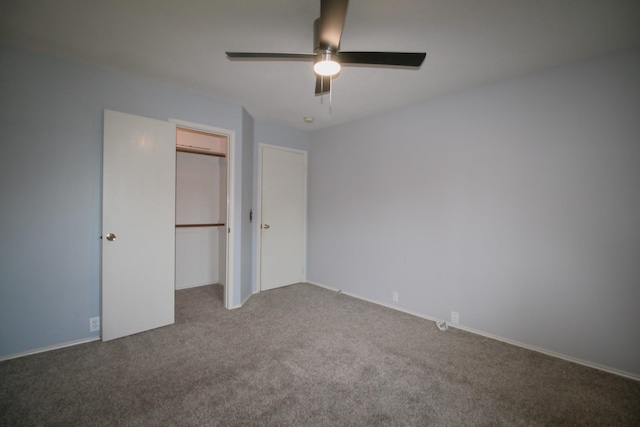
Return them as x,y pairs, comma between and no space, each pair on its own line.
303,355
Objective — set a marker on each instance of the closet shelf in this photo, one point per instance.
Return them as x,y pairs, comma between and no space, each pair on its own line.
219,224
195,150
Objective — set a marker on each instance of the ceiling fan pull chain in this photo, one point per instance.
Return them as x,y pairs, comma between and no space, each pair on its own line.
330,93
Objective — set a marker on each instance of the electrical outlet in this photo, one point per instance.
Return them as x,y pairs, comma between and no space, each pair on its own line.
455,317
94,324
395,297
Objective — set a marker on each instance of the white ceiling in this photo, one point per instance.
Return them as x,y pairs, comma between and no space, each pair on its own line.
182,42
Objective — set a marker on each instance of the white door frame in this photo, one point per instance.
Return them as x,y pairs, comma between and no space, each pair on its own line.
261,147
229,287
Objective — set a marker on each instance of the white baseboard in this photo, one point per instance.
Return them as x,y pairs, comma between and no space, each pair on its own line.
244,301
395,307
495,337
197,285
49,348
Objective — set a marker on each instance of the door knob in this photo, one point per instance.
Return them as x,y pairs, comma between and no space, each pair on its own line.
111,237
266,226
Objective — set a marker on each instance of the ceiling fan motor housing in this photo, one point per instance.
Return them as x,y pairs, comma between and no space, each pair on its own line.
318,46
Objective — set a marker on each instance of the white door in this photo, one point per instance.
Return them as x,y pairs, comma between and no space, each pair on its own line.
138,224
283,212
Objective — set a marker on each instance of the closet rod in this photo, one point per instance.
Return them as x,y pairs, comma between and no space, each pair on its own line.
196,151
200,225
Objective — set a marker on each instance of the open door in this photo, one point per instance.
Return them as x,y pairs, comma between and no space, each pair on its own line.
138,224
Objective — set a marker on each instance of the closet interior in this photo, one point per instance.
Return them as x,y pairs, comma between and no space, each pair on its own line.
201,208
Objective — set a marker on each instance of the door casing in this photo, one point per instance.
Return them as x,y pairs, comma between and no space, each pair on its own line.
229,288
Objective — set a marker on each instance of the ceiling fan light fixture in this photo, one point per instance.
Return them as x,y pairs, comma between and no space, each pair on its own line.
326,65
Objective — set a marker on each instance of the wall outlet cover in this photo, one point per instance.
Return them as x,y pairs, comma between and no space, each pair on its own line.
455,317
94,324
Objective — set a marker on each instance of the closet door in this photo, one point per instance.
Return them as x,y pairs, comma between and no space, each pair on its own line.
138,220
283,201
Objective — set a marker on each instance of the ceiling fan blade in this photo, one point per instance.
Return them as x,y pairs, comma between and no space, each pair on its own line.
323,85
332,15
275,56
401,59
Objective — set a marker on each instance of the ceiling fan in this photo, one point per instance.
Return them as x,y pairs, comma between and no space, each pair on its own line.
327,55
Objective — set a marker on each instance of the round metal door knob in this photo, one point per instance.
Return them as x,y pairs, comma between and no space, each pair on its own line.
111,237
266,226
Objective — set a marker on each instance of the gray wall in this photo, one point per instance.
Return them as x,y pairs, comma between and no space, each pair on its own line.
51,114
516,204
274,134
